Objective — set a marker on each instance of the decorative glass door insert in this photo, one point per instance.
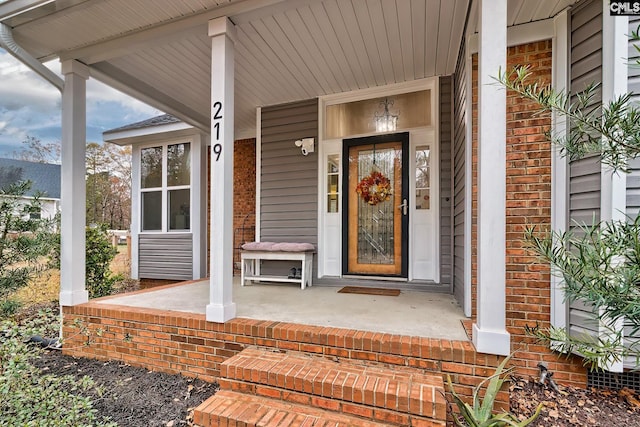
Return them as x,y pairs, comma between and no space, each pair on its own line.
376,206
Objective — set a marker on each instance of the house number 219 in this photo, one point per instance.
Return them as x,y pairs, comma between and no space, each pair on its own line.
217,117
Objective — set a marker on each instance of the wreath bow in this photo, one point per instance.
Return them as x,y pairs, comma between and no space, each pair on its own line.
374,188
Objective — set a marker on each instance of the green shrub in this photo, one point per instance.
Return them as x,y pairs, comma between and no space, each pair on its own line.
8,307
27,396
100,253
480,413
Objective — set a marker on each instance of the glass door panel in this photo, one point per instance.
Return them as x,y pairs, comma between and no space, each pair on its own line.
376,206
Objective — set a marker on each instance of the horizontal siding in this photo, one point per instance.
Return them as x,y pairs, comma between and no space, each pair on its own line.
446,196
289,180
584,174
459,159
165,256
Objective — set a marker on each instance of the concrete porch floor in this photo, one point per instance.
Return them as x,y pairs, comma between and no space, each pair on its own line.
415,313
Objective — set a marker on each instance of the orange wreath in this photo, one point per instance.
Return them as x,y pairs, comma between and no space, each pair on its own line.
374,188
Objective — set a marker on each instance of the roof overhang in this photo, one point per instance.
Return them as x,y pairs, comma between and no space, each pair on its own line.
286,50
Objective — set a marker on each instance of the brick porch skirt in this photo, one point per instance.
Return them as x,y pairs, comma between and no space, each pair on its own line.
185,343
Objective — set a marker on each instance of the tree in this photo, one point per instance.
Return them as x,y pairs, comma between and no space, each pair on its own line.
600,263
24,239
34,150
108,185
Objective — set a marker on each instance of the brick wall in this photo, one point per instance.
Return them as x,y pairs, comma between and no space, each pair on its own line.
244,194
172,342
528,203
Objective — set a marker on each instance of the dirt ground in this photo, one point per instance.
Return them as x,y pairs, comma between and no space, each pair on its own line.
136,397
133,397
575,407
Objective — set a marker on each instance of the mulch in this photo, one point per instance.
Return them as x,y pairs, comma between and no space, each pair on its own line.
137,397
133,396
574,407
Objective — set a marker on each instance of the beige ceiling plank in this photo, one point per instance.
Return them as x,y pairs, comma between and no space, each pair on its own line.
367,31
276,38
433,35
513,9
284,66
380,35
246,72
457,31
300,40
122,45
355,65
265,64
444,36
406,39
329,35
345,25
526,12
392,24
419,36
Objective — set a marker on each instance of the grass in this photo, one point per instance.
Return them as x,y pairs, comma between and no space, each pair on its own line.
45,286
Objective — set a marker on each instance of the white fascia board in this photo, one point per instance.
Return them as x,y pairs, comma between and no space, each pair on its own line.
132,136
521,34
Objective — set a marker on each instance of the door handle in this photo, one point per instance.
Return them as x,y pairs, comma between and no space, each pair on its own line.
404,206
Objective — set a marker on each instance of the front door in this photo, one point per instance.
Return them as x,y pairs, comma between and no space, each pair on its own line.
376,207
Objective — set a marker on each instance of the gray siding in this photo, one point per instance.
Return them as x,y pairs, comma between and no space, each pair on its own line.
586,68
459,176
633,179
289,180
446,196
584,174
165,256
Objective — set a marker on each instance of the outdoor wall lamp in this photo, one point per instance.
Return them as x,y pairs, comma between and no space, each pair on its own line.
306,145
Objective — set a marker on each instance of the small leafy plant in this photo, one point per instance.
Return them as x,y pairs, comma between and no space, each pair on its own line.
30,397
481,414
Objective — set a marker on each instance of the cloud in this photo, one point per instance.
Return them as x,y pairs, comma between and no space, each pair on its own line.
30,106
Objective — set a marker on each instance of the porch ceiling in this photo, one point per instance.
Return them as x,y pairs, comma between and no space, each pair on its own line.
286,50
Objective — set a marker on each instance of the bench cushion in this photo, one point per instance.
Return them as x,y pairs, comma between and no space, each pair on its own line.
278,247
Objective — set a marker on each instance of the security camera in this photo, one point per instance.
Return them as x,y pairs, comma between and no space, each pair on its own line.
306,145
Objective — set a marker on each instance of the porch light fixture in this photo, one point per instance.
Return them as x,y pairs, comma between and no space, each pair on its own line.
385,121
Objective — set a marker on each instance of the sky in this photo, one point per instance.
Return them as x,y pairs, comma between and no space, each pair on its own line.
30,106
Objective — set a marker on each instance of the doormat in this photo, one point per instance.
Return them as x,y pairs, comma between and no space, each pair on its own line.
369,291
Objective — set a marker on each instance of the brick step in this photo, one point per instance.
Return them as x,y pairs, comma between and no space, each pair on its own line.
398,395
227,408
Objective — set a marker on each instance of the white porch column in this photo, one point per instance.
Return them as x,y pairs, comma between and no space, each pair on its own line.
73,189
221,306
489,332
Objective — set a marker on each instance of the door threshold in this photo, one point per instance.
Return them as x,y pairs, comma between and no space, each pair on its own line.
379,278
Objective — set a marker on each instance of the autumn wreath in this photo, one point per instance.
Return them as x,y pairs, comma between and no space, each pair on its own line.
374,188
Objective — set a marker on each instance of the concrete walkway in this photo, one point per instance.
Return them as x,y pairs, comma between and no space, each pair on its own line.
415,313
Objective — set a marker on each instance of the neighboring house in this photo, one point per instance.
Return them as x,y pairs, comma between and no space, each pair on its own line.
381,138
45,182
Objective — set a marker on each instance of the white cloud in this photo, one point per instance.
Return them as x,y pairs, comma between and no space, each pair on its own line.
30,106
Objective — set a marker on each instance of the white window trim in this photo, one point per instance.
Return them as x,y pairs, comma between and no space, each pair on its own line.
164,189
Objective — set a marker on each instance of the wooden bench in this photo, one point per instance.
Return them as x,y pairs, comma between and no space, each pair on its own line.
255,252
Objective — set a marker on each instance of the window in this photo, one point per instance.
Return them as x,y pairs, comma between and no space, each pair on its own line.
333,171
165,187
423,179
35,212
